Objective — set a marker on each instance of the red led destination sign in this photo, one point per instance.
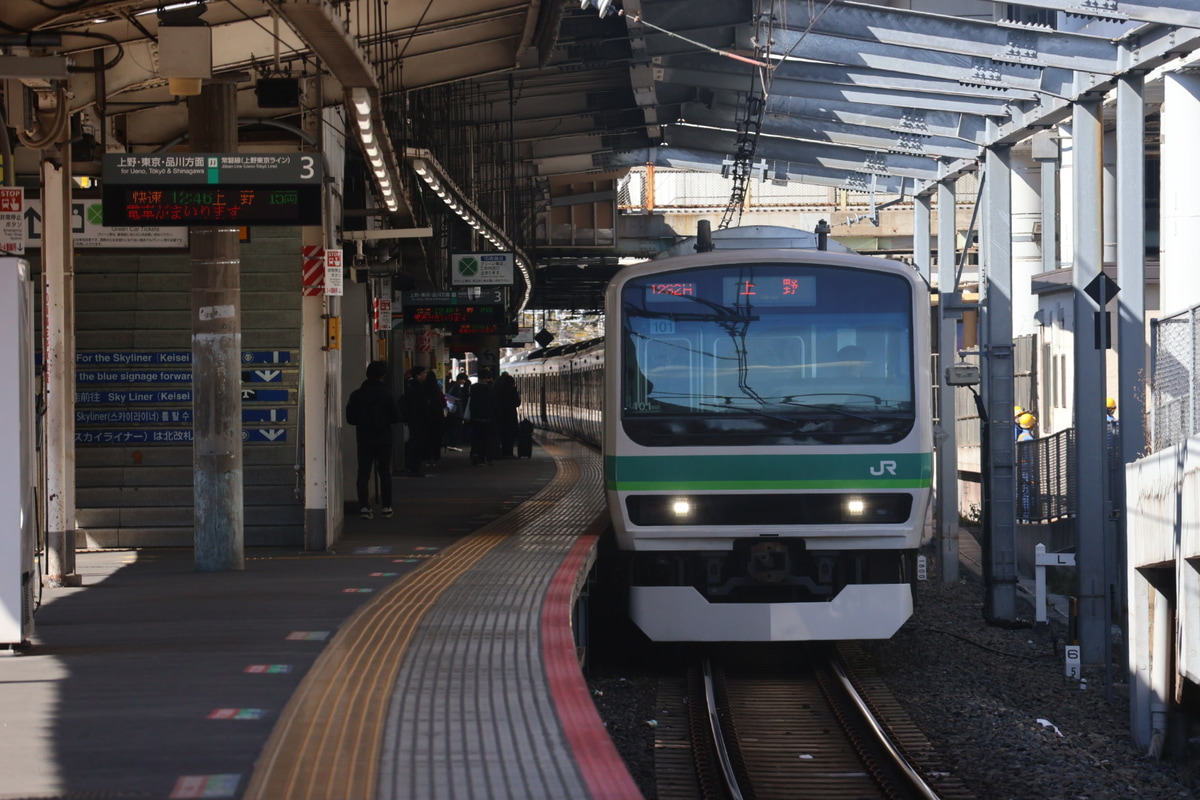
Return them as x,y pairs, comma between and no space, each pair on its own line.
172,205
450,315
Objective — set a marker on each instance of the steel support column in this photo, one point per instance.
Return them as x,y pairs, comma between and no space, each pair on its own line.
1045,152
1000,550
216,355
921,234
58,358
333,145
947,477
1090,434
1131,331
1179,235
314,416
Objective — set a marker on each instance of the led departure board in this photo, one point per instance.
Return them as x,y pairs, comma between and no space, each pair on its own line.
463,312
251,204
180,189
451,315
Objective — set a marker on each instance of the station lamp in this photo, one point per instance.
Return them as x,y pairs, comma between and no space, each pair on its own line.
439,182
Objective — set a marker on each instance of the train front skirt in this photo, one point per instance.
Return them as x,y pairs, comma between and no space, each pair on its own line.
682,614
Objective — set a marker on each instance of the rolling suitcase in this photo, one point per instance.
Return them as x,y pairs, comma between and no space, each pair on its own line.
525,439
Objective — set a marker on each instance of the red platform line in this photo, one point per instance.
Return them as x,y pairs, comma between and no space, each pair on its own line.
603,770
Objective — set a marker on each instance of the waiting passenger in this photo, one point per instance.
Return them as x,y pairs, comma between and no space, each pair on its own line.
508,400
481,411
372,411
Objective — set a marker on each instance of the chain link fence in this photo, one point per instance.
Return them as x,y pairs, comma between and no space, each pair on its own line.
1173,391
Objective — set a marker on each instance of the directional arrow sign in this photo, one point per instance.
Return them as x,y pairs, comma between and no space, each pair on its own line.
1102,289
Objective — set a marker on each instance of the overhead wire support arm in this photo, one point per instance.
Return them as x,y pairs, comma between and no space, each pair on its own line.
748,128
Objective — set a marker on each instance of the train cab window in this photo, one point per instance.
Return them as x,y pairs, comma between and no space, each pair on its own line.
767,354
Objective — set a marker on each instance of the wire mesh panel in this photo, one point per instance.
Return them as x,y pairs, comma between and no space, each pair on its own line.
1046,489
1173,390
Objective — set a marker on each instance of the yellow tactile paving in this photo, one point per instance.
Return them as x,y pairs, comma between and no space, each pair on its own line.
326,743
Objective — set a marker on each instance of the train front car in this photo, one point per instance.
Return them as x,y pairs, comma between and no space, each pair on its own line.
768,444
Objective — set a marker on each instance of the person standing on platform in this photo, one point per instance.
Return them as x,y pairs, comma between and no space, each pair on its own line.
435,402
372,411
416,417
481,409
456,406
508,400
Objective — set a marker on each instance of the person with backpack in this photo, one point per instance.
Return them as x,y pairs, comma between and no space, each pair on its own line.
372,411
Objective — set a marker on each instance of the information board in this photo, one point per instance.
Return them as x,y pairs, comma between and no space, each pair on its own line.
212,188
145,397
172,206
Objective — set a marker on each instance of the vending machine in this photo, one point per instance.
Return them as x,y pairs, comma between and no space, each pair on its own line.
18,457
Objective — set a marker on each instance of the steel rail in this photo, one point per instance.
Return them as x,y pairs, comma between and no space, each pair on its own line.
900,760
714,724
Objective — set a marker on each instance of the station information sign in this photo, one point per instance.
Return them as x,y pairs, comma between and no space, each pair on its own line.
212,188
146,397
461,312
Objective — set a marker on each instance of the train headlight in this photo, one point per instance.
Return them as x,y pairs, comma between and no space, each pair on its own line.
682,507
855,506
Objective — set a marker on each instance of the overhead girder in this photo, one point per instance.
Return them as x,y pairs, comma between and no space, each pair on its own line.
707,161
534,108
832,156
835,132
788,73
1151,49
1171,12
981,105
968,128
898,81
966,67
1021,46
888,89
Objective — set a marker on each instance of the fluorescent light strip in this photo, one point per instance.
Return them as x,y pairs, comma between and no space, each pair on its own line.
424,167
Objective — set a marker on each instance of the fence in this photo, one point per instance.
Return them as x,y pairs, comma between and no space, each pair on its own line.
1046,487
1173,393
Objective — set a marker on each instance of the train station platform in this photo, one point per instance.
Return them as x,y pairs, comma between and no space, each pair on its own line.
426,655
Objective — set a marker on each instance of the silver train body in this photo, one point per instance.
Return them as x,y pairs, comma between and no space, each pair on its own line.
765,422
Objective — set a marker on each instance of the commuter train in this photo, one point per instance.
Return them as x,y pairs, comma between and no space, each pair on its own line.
764,417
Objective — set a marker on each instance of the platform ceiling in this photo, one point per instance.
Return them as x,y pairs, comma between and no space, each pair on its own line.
854,95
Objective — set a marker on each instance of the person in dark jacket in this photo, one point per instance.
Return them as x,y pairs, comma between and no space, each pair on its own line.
372,411
508,400
456,405
481,408
435,427
417,418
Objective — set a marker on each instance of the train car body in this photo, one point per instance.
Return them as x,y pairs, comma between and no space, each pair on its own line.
767,440
768,444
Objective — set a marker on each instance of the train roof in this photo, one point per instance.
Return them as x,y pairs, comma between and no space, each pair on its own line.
562,349
757,237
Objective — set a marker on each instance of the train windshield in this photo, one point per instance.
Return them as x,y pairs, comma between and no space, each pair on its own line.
767,354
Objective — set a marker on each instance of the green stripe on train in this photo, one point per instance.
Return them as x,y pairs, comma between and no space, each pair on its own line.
708,472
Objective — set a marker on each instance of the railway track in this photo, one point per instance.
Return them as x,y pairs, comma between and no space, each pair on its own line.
767,723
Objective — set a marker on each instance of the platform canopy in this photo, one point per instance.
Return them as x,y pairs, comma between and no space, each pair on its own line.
865,96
